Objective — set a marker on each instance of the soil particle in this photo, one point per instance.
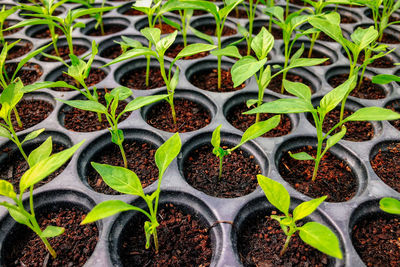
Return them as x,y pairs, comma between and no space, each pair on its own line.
112,51
45,33
165,28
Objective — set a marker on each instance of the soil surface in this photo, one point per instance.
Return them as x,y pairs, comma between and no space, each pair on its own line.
276,32
108,29
239,171
376,240
45,33
140,158
209,29
326,38
335,178
87,121
208,80
262,239
112,51
174,50
136,78
7,24
133,12
28,74
383,62
31,112
368,90
73,248
96,75
190,116
316,54
15,166
183,241
242,121
238,13
165,28
385,165
395,106
276,83
64,52
356,131
346,19
18,50
388,38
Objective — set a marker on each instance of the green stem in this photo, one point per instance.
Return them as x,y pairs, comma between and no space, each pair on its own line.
286,245
121,148
285,66
17,118
251,19
219,58
17,142
318,125
221,161
313,39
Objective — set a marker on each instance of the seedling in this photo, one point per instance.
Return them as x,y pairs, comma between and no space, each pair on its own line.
42,164
4,14
127,182
160,47
328,103
312,233
249,66
254,131
390,205
110,110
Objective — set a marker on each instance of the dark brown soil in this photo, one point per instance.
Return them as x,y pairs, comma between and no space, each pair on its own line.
7,24
276,83
395,106
276,32
64,52
18,50
96,75
174,50
112,51
108,29
389,39
45,33
183,241
140,158
165,28
315,54
385,165
238,14
15,166
242,122
299,2
335,178
323,37
357,131
383,62
239,171
208,80
346,19
133,12
28,74
210,29
136,78
262,239
190,116
87,121
368,89
73,248
31,112
376,240
243,52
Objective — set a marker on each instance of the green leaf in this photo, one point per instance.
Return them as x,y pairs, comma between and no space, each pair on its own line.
174,81
32,135
5,133
132,53
260,128
283,106
120,179
166,153
216,137
373,114
172,23
40,153
306,208
193,49
229,51
45,167
385,78
364,37
88,105
329,24
122,92
390,205
165,43
142,101
298,53
18,216
320,237
40,85
107,209
276,11
245,68
335,138
201,35
306,62
52,231
265,78
152,34
301,156
262,43
298,89
12,94
6,189
335,96
117,136
276,194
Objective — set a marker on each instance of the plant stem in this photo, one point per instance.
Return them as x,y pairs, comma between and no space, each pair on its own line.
251,19
221,161
121,148
155,237
286,64
286,245
219,58
17,118
313,39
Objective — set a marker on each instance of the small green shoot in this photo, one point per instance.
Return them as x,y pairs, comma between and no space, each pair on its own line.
390,205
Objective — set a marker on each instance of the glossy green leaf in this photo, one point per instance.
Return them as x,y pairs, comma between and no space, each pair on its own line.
276,194
298,89
201,35
306,208
12,94
193,49
18,216
132,53
142,101
283,106
373,114
88,105
40,153
301,156
5,133
165,43
390,205
335,96
7,189
265,78
32,135
166,153
329,24
122,92
306,62
120,179
245,68
262,43
335,138
216,137
174,81
260,128
229,51
322,238
276,11
385,78
364,37
152,34
40,85
52,231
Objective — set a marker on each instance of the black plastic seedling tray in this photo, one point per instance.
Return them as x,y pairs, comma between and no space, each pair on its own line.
70,187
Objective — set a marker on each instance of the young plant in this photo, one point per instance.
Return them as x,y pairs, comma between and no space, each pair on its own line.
303,104
390,205
110,110
41,164
127,182
312,233
254,131
160,47
248,66
4,14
